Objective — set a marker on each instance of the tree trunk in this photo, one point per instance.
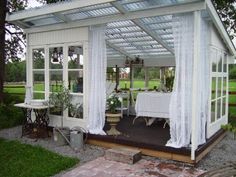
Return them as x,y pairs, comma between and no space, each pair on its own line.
3,9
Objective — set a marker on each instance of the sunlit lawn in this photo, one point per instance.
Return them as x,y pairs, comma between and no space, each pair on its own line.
16,89
21,160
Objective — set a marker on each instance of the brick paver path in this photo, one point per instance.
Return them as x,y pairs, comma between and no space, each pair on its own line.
101,167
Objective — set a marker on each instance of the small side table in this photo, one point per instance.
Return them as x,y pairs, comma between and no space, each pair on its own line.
41,118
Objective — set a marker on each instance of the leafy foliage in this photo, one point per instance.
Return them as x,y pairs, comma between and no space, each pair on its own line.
227,12
10,115
112,103
15,71
15,41
61,100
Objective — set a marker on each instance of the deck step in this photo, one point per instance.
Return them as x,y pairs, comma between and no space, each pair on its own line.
125,155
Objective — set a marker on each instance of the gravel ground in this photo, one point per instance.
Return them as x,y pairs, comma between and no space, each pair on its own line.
223,153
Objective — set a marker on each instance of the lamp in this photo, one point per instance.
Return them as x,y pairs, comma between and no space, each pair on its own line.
55,55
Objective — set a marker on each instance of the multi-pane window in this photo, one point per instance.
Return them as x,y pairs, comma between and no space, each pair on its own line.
75,80
218,84
38,56
55,74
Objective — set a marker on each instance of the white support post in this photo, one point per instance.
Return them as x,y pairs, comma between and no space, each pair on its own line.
28,74
146,76
86,85
196,55
47,74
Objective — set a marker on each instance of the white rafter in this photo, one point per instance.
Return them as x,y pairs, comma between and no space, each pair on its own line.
119,50
144,28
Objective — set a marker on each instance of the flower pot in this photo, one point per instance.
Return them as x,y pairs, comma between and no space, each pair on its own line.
113,119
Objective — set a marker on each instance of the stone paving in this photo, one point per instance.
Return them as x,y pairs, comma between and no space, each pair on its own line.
101,167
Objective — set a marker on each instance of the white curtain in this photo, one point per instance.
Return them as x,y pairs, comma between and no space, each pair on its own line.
181,100
97,62
203,81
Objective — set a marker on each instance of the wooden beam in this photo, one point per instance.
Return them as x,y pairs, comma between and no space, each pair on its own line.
145,151
119,50
163,10
208,149
62,17
55,8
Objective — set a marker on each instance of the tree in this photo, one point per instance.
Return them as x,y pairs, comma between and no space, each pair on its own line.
3,10
227,11
10,47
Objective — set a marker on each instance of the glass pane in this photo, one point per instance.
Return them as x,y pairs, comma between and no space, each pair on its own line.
153,77
75,80
38,58
55,57
219,57
214,60
219,87
55,110
39,95
77,110
75,58
139,78
224,106
38,81
225,63
213,88
213,109
219,108
224,85
56,81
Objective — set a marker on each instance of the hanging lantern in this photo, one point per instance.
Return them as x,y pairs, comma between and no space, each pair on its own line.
55,55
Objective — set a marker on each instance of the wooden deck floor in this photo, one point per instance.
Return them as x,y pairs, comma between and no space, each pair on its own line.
151,140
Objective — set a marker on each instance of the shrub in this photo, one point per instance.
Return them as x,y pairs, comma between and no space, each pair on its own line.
10,115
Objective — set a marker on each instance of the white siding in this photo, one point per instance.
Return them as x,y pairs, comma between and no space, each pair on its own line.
215,39
60,36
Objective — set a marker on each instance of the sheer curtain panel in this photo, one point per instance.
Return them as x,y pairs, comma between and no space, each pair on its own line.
97,79
181,100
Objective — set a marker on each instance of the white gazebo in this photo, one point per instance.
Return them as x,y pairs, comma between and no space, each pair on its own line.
78,39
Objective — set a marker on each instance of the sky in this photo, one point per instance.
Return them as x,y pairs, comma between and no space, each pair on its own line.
33,3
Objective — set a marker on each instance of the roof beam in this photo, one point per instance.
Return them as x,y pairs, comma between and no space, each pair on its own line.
219,25
119,50
55,8
144,28
62,17
154,36
163,10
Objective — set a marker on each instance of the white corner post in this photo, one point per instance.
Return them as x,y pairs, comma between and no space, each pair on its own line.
196,55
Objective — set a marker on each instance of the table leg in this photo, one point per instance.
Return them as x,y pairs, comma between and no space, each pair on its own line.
41,120
27,125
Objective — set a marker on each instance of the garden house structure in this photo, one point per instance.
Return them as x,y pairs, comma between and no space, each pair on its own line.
78,39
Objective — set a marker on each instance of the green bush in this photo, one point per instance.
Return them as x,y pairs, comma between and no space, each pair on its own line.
10,115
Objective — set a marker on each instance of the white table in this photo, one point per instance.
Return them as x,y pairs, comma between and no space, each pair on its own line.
152,104
41,117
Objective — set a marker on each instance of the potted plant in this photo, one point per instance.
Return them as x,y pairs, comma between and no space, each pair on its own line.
113,117
231,128
60,101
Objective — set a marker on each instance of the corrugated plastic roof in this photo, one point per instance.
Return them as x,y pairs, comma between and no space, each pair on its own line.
130,36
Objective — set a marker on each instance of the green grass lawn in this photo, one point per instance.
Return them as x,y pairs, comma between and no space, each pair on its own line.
20,90
21,160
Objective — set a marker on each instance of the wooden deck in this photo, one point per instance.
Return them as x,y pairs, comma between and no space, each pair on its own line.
151,140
